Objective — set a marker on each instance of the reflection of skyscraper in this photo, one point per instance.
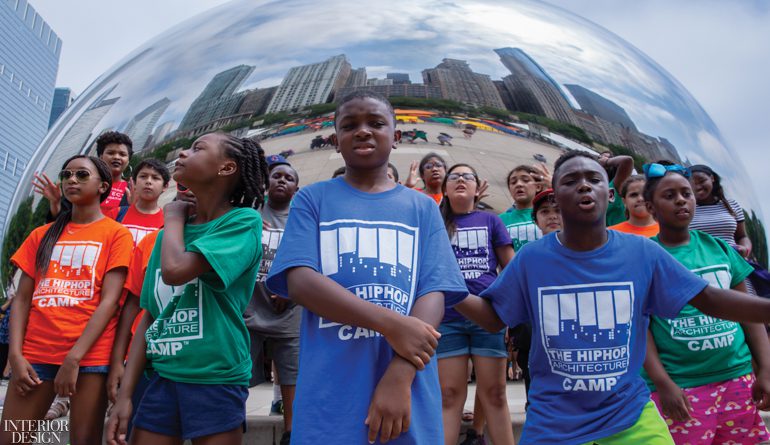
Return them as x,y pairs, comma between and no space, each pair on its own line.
403,90
310,84
62,98
598,105
457,82
399,78
357,78
161,131
217,98
140,127
256,101
29,59
532,89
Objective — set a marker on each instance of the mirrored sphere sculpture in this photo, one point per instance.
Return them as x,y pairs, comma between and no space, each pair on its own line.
528,79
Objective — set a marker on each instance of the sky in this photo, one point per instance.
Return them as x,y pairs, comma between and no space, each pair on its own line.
716,49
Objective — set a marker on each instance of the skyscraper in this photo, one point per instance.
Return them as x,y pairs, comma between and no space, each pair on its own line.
62,98
29,60
399,78
532,89
598,105
457,82
311,84
217,98
140,127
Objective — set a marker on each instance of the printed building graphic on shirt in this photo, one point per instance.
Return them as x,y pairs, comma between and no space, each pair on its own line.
522,233
70,278
700,331
471,249
586,333
139,232
185,323
373,260
271,238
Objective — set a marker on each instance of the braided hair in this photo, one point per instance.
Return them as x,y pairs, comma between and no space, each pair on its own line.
52,235
254,177
716,189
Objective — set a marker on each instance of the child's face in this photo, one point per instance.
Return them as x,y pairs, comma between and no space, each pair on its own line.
548,218
523,188
461,187
84,184
201,163
365,133
283,184
433,172
634,200
116,157
391,174
582,191
149,184
673,202
702,184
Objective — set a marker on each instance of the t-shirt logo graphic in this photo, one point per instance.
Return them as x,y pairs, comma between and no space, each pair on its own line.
70,277
271,239
185,321
522,233
586,333
139,232
374,260
471,249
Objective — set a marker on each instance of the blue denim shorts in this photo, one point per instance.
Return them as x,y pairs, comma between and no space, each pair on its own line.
48,372
189,410
464,337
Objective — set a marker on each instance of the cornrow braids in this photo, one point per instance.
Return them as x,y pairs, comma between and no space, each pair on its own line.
254,177
52,235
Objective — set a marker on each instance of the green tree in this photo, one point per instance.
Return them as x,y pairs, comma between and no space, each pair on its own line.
566,130
756,233
639,160
18,230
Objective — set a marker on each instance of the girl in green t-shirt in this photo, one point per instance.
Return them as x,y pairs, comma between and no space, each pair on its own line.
198,282
700,367
523,184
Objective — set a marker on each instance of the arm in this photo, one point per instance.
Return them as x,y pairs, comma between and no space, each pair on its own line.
480,311
390,409
743,241
50,191
673,400
66,379
177,266
27,377
410,337
624,167
137,361
731,305
756,339
120,346
504,255
411,180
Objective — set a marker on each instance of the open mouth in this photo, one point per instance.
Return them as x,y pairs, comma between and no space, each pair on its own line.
361,149
683,213
586,203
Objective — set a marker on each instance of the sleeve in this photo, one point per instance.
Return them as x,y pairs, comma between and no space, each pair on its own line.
500,235
508,293
112,213
740,269
672,286
300,245
230,249
438,269
136,270
147,282
24,258
737,209
121,247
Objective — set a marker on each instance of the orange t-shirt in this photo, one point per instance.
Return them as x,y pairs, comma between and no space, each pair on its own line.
138,223
627,227
137,269
438,197
67,296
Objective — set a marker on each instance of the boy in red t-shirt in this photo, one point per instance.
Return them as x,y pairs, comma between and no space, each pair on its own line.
144,215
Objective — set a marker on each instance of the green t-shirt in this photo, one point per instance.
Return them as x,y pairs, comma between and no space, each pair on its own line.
199,335
695,348
616,211
520,226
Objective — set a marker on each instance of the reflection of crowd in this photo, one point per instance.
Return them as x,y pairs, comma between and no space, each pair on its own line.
181,321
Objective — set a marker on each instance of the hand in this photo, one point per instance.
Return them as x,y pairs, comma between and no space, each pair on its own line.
50,191
66,379
25,378
483,187
266,225
279,304
760,390
675,404
390,410
411,180
177,210
545,174
131,197
743,250
118,422
412,339
113,381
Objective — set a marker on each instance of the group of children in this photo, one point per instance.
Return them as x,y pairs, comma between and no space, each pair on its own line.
375,279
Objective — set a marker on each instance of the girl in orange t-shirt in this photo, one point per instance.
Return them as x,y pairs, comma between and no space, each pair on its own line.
66,303
639,222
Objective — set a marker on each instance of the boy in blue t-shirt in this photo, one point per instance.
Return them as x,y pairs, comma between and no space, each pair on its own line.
370,262
588,293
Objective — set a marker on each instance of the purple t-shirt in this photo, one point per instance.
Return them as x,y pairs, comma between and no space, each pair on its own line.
474,242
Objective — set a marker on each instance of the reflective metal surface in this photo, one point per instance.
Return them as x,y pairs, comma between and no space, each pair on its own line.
230,66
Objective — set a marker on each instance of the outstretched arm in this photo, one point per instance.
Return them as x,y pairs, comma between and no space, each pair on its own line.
756,339
480,311
732,305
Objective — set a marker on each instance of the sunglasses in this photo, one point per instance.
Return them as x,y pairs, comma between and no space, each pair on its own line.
655,170
80,175
431,165
456,176
181,188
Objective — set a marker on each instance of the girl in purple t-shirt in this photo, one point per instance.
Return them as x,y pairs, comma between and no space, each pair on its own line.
481,244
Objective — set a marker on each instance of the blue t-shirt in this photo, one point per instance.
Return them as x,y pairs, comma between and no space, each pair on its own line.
589,313
476,236
388,248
